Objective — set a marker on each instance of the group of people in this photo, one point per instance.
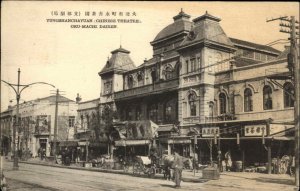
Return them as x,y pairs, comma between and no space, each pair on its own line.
42,153
69,155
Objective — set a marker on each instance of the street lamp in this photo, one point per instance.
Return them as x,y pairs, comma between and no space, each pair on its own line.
18,92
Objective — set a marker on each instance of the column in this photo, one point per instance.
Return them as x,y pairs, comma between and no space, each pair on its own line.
169,149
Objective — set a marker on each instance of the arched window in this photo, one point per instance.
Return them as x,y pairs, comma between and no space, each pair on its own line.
211,109
288,94
138,113
129,114
168,111
140,80
192,104
130,82
267,99
168,73
248,101
222,101
153,112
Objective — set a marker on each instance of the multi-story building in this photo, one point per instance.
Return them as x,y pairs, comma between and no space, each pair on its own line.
37,123
201,86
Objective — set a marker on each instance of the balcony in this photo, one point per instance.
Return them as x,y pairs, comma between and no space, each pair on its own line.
156,88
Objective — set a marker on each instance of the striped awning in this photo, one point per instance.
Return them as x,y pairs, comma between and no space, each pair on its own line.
122,143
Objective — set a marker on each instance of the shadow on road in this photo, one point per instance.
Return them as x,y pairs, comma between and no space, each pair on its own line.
167,185
275,180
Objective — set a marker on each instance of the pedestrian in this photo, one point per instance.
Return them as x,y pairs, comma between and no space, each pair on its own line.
228,160
178,166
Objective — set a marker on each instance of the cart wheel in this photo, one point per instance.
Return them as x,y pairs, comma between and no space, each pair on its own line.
136,168
151,172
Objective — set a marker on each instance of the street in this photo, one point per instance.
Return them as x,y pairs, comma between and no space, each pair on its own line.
44,178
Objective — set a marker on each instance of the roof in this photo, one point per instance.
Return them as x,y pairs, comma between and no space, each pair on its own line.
52,98
207,27
206,16
119,61
241,62
254,45
181,24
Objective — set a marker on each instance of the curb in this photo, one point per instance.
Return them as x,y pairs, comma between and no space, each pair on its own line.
184,179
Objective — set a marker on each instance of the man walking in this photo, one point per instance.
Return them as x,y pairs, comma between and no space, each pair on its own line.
178,166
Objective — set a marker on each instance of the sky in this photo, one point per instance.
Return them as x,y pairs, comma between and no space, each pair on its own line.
70,58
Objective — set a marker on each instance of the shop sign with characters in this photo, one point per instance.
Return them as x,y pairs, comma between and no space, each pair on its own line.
255,130
210,131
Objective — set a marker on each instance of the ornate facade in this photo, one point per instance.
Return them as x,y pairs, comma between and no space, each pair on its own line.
201,84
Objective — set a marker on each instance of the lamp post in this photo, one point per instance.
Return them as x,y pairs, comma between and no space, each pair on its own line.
18,88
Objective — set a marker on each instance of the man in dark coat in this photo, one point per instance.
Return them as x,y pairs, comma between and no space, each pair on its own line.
178,166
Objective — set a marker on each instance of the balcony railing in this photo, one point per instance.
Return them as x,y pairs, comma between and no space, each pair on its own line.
155,88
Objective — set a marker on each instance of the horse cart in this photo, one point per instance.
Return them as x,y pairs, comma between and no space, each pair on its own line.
148,165
143,165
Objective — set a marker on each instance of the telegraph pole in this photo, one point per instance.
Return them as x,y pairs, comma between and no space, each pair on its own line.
16,126
55,124
293,65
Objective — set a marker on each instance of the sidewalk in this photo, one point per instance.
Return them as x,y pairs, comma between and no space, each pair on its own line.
187,175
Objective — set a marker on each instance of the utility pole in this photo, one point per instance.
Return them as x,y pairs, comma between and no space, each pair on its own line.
293,65
16,126
55,124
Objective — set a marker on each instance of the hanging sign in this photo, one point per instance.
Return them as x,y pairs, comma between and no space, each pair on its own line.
255,130
210,131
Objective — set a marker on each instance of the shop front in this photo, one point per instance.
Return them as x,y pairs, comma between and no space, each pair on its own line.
247,144
133,138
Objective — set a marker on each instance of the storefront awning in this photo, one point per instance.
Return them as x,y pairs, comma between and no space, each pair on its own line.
166,128
284,138
72,143
263,121
97,144
179,141
122,143
136,130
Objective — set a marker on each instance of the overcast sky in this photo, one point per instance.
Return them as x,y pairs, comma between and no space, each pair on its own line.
71,58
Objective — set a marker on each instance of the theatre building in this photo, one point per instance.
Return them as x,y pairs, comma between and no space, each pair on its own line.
201,88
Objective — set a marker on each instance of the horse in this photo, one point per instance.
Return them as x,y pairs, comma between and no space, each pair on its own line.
168,161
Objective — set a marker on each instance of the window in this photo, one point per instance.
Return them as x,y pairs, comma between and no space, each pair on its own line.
138,113
288,94
263,57
153,112
248,104
71,121
140,80
193,65
211,109
168,73
168,112
222,100
248,54
198,62
267,99
107,88
153,76
130,82
129,114
192,103
187,66
257,56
